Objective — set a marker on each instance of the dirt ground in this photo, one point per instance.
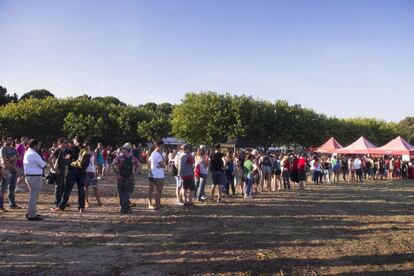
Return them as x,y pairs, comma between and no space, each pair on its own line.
342,229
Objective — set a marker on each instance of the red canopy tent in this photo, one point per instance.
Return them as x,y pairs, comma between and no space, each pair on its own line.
398,146
360,146
331,146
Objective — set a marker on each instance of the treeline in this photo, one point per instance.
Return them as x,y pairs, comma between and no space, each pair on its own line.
201,118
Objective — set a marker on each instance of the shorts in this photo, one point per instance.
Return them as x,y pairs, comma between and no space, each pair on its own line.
189,184
218,178
266,170
90,180
158,182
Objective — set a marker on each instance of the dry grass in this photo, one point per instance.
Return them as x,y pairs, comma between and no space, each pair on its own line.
346,229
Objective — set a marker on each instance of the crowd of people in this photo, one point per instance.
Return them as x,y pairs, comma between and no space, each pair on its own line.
244,172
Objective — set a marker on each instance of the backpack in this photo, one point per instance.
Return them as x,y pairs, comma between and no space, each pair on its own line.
126,168
266,161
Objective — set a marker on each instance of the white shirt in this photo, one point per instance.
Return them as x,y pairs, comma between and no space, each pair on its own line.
91,168
33,163
155,159
357,164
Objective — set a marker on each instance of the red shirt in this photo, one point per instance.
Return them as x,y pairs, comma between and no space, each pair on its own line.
302,164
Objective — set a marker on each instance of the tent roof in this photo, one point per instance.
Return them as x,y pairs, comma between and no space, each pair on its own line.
360,146
239,142
330,146
398,146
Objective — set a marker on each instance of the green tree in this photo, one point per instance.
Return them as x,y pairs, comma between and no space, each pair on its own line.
86,126
37,94
157,127
5,97
109,100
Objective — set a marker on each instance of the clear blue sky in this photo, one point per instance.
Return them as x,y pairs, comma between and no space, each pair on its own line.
340,57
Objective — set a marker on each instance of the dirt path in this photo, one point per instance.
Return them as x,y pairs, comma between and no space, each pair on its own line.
329,229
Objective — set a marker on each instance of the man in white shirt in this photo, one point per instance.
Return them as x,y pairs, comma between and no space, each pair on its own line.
33,170
358,168
157,175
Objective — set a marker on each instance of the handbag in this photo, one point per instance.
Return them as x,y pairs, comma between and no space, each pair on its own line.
51,178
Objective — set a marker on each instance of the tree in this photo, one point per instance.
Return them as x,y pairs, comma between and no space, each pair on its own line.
109,100
157,128
86,126
6,98
37,94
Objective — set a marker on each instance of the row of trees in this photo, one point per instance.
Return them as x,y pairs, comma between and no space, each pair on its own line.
201,118
208,118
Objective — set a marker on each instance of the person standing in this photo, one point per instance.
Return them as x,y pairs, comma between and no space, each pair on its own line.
58,166
33,171
123,167
157,167
336,166
186,173
99,161
302,164
76,174
91,179
358,168
201,160
230,173
21,149
9,156
266,165
286,172
217,168
248,167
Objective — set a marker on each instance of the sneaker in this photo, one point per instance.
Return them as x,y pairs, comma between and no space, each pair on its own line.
203,197
99,178
15,207
179,202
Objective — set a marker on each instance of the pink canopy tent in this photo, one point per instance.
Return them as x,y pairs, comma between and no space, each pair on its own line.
398,146
360,146
331,146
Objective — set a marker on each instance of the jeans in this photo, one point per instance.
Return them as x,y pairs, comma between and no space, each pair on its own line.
286,180
59,186
75,175
200,185
124,189
9,181
35,184
230,183
249,185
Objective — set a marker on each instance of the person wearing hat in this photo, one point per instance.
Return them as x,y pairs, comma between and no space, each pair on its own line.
186,173
123,166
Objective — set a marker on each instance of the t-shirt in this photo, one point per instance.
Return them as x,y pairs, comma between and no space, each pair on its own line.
119,161
21,149
91,168
216,162
185,169
155,159
357,164
248,167
8,152
302,164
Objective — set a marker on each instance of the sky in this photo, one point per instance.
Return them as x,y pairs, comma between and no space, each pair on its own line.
344,58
